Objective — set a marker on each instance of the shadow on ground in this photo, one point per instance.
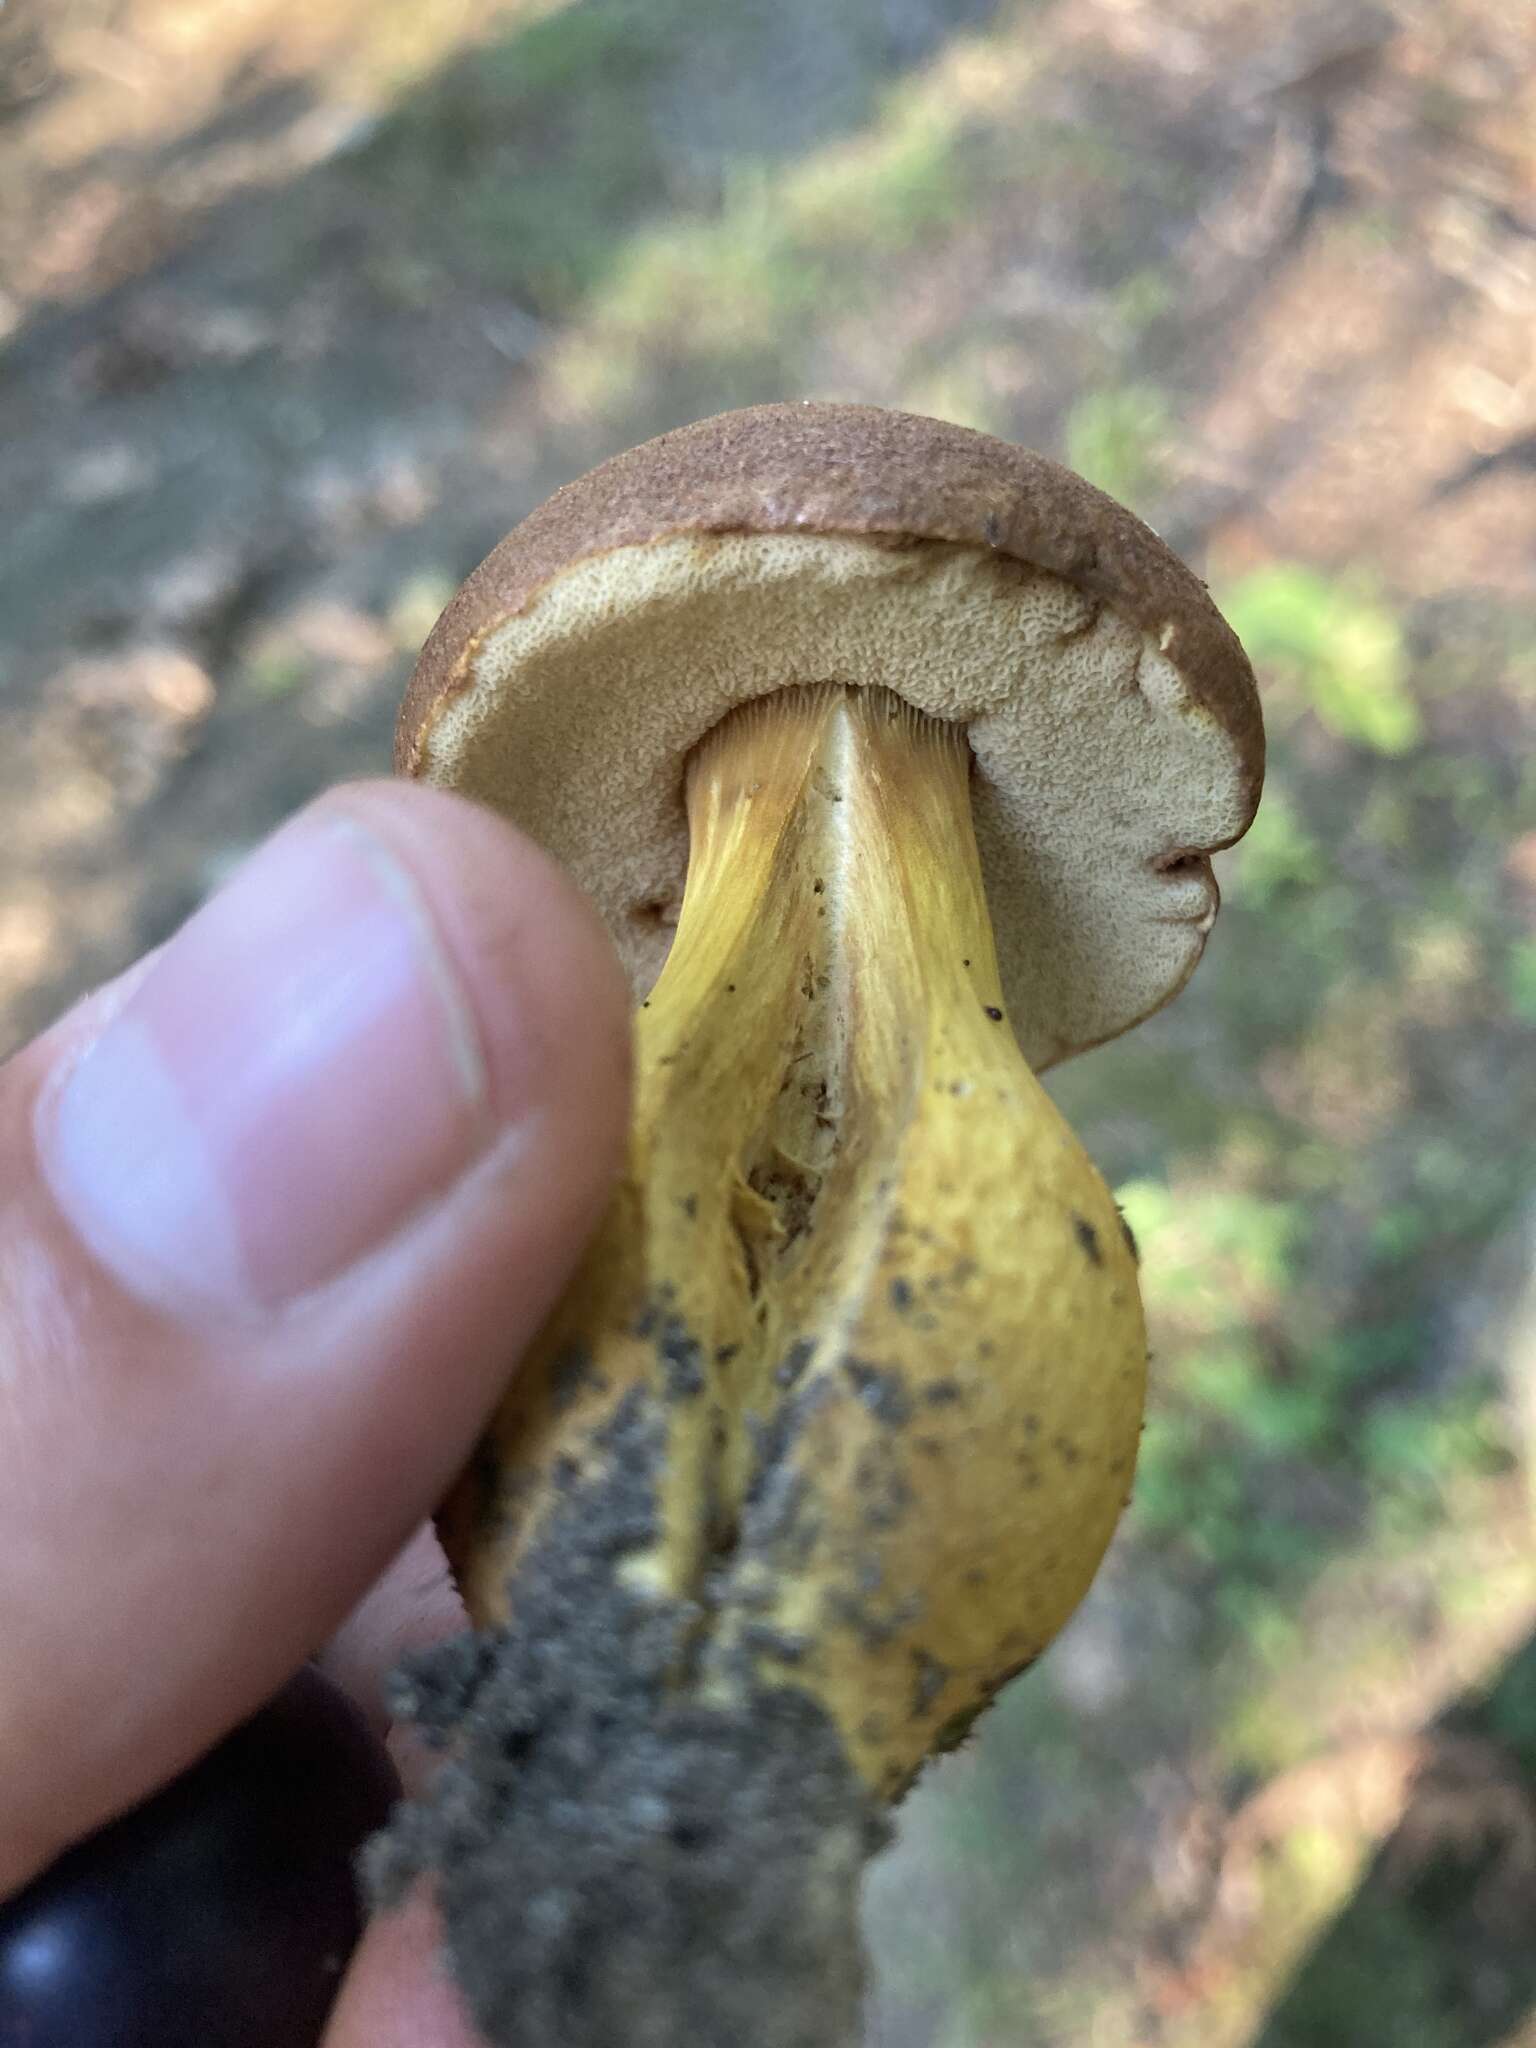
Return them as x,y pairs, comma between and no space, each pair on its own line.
1434,1949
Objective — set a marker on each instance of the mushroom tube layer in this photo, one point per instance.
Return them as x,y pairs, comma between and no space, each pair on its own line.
1109,709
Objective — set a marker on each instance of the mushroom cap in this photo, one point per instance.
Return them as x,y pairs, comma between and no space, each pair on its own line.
1110,709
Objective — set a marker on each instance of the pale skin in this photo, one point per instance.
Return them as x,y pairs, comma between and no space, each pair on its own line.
198,1489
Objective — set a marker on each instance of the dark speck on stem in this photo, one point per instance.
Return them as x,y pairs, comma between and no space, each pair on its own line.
880,1391
794,1361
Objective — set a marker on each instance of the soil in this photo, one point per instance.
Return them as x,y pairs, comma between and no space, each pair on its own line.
616,1858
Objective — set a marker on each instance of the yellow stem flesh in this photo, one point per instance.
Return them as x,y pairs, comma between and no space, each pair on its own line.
857,1260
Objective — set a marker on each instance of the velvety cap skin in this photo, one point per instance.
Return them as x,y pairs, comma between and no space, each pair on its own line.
1110,710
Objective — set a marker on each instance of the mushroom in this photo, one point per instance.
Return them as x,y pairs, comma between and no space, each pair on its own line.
894,757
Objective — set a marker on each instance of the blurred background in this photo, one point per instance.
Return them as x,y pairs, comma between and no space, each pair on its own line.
304,302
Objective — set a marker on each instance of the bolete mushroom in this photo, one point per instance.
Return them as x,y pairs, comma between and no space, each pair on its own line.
894,757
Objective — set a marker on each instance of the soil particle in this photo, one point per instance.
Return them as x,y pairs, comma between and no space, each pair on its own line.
794,1362
572,1374
1129,1236
615,1860
881,1392
960,1724
929,1678
682,1359
773,1516
849,1607
884,1495
1088,1238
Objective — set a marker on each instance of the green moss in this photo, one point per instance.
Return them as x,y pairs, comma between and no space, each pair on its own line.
275,670
523,165
416,607
1144,298
748,286
1337,646
530,163
1520,979
1117,439
1280,855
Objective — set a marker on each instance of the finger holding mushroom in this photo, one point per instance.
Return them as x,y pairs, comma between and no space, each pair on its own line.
894,758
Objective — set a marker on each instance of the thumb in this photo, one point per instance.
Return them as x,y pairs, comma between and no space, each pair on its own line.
278,1214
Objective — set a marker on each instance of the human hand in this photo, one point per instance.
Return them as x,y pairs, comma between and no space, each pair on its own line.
280,1207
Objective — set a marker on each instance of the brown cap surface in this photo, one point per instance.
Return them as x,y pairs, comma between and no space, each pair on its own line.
1111,710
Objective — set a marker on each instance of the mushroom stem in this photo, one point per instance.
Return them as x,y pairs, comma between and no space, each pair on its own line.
831,1429
839,1162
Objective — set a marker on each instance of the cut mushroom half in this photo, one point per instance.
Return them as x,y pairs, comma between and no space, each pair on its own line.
894,757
